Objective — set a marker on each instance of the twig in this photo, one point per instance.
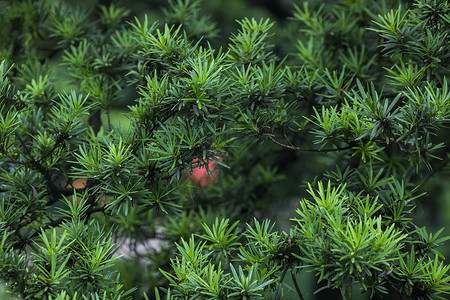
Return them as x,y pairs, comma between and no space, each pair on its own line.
306,149
37,165
20,245
108,116
62,219
445,161
297,288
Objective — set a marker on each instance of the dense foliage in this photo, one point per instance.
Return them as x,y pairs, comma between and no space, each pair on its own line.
354,94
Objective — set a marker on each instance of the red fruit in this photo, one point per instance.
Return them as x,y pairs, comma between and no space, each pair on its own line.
201,177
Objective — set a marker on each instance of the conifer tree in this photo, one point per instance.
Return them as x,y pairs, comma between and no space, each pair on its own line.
349,99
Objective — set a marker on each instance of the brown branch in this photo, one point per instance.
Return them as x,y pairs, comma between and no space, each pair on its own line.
21,244
59,221
307,149
38,167
62,219
297,288
435,170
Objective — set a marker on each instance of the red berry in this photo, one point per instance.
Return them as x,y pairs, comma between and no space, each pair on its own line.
200,175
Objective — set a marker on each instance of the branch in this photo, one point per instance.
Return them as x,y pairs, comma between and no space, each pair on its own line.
37,166
69,192
59,221
297,288
306,149
442,165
